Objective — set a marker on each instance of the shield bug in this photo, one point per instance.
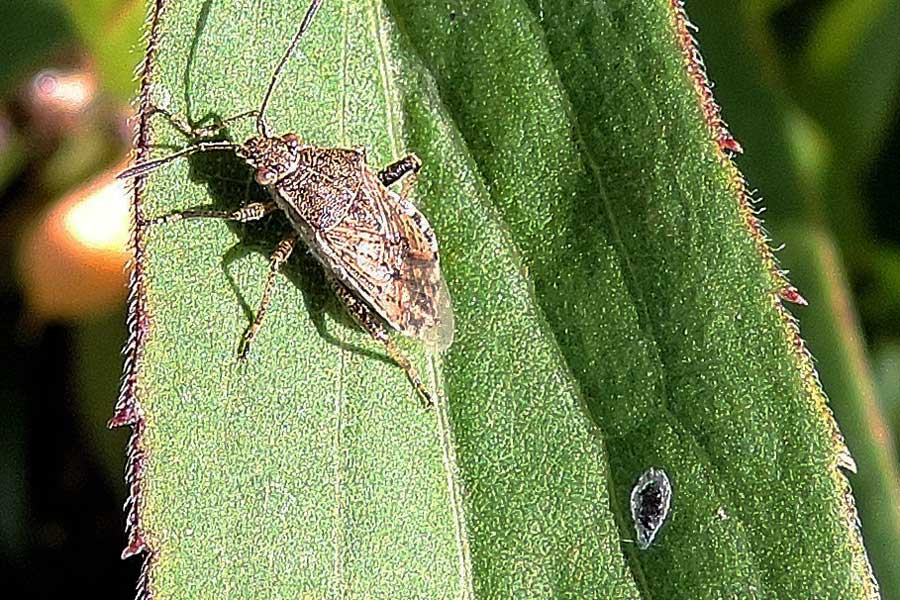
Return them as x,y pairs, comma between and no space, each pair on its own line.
378,251
651,497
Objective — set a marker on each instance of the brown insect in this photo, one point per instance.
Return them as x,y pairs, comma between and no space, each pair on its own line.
379,252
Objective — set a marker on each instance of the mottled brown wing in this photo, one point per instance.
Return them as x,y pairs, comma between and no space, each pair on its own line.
385,250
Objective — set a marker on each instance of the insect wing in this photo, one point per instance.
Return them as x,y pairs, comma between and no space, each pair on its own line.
386,251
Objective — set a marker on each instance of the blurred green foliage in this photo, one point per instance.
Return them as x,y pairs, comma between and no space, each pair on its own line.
31,31
61,485
108,29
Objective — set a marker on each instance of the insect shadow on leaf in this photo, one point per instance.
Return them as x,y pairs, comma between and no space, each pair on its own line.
199,28
229,184
218,171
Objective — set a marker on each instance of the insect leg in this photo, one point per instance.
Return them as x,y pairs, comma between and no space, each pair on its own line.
250,212
180,123
394,171
278,258
368,320
145,167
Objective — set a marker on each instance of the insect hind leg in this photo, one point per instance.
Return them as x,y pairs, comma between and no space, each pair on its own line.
396,170
278,258
368,320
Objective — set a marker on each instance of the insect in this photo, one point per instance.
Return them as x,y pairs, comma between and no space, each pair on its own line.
378,251
650,500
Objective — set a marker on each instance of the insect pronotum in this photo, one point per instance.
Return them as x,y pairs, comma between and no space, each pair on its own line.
379,252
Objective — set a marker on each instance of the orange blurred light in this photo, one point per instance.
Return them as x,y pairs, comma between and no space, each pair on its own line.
71,262
99,221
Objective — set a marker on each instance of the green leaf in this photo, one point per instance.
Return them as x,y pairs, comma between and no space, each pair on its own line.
313,470
788,173
596,244
593,145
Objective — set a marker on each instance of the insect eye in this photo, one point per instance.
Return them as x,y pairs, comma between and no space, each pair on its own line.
265,176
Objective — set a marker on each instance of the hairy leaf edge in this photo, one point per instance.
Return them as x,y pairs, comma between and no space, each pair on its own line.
128,406
726,147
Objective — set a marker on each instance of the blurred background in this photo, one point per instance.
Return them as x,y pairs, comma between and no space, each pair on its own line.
810,88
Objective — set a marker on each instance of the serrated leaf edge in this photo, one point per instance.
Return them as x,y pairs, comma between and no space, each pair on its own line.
726,147
128,406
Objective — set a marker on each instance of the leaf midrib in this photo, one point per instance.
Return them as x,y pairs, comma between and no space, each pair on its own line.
454,490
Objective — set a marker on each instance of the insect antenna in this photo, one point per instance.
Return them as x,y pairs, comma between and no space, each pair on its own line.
261,125
152,165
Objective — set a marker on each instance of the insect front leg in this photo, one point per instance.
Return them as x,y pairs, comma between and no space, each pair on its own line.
250,212
396,170
278,258
180,123
369,321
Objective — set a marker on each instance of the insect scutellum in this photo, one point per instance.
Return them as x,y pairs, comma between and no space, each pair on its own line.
379,252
